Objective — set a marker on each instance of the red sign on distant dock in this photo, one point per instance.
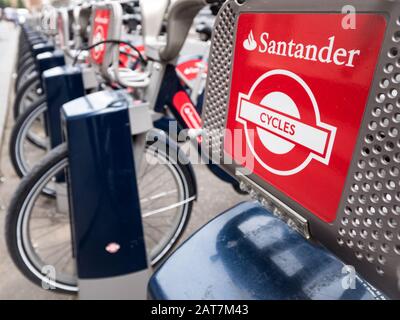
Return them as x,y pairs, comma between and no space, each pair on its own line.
100,33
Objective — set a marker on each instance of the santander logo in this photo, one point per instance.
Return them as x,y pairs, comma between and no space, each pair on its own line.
99,36
250,44
331,53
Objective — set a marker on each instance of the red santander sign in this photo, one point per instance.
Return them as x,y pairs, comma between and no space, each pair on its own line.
299,89
189,70
100,33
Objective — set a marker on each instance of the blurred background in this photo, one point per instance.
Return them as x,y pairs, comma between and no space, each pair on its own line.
16,10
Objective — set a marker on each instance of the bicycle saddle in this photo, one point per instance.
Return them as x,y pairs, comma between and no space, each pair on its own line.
247,253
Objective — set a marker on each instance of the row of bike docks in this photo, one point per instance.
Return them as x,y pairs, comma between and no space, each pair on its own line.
294,103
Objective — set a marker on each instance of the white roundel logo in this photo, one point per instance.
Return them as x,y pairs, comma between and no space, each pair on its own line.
98,37
282,123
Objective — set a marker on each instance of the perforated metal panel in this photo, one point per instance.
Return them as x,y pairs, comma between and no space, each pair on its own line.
370,213
218,81
366,232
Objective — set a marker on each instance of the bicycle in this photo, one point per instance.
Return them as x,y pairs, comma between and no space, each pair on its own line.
169,202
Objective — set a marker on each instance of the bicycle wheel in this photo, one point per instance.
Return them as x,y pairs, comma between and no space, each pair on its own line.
38,227
27,56
28,141
25,73
29,93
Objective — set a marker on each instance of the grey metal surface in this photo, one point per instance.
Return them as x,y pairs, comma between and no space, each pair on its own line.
180,18
366,233
128,287
64,30
81,23
153,12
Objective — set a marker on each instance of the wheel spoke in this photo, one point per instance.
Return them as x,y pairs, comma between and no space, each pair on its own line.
161,210
158,196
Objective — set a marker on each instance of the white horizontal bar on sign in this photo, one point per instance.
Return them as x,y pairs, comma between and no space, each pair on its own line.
293,130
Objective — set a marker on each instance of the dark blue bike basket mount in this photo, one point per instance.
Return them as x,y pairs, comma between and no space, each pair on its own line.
50,59
61,84
107,226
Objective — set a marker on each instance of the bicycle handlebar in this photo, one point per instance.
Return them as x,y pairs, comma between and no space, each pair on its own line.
180,19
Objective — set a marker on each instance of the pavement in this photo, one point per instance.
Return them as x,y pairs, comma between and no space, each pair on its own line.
214,195
8,50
